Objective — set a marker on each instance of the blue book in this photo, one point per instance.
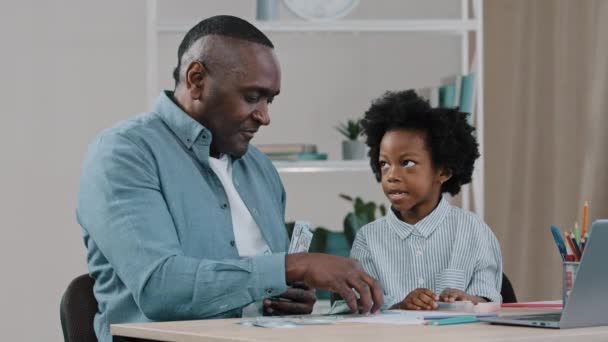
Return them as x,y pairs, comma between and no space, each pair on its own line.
447,96
467,89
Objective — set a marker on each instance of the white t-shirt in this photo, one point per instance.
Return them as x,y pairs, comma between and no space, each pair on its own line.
247,234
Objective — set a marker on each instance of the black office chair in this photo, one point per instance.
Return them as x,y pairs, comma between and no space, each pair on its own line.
77,310
507,292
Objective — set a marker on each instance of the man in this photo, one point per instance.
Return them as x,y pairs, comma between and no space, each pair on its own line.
181,217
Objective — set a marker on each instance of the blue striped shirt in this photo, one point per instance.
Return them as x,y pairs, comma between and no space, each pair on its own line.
450,248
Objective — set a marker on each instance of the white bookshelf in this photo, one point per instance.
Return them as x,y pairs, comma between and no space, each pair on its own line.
316,166
465,26
348,26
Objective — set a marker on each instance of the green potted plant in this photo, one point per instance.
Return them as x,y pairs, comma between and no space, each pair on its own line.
362,214
352,147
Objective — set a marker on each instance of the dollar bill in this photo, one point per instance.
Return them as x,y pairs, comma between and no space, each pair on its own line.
301,238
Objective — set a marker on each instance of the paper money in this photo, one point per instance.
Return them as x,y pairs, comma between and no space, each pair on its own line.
301,238
290,321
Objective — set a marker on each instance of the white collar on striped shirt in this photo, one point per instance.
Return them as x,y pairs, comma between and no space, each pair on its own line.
425,227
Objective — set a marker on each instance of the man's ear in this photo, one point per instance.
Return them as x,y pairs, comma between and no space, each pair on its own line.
195,79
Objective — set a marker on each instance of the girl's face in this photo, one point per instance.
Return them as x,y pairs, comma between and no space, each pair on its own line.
409,179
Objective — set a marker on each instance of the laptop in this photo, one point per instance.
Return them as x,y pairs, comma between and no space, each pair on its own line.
587,304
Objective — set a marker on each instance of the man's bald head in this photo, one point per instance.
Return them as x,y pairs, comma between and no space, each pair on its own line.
203,43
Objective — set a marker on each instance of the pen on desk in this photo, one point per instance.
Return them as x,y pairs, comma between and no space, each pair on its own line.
577,233
453,320
561,246
583,243
585,217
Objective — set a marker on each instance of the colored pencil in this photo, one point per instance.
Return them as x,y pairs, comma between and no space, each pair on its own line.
585,218
571,245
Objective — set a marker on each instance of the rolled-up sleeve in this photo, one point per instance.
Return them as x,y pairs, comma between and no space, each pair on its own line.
123,210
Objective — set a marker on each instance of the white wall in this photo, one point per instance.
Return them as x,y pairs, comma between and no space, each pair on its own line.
71,68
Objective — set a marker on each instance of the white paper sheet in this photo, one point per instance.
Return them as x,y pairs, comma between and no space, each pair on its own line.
407,317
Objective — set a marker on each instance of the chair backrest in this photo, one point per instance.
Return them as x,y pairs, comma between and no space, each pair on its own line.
77,310
507,292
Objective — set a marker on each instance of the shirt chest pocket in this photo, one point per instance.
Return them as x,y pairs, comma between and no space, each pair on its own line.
450,278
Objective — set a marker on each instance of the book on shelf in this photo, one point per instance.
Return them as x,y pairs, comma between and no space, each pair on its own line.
291,152
449,91
456,91
296,156
447,96
279,149
467,96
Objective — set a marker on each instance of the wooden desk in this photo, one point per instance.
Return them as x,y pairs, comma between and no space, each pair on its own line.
226,330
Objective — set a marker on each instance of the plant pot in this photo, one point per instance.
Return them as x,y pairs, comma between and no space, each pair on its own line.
354,150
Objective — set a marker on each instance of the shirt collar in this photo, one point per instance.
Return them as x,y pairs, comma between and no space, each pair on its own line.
183,125
424,227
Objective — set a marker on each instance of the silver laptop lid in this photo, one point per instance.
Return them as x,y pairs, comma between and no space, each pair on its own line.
588,302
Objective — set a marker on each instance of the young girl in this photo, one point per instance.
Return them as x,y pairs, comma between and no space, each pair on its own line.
425,250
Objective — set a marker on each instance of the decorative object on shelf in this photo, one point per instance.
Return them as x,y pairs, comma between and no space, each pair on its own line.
321,10
267,10
352,148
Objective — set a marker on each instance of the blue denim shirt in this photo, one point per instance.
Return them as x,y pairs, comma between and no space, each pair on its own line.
157,225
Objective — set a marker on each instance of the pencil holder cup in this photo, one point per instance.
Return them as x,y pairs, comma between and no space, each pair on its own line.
569,271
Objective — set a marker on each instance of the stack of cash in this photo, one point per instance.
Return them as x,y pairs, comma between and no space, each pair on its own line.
301,238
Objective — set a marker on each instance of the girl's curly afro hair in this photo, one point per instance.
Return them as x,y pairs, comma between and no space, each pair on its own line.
448,134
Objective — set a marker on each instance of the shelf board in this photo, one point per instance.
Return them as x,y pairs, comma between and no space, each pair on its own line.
315,166
438,25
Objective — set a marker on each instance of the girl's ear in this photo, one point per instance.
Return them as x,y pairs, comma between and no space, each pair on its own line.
444,175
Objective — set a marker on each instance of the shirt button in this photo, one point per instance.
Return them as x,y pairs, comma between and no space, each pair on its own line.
255,211
232,243
418,252
269,291
224,206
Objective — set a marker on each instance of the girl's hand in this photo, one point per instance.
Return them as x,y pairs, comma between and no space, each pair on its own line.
419,299
455,295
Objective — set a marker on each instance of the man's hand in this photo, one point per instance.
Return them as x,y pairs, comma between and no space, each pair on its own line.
337,274
453,295
419,299
298,300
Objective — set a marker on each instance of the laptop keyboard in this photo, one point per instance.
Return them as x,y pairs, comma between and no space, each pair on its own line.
551,317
